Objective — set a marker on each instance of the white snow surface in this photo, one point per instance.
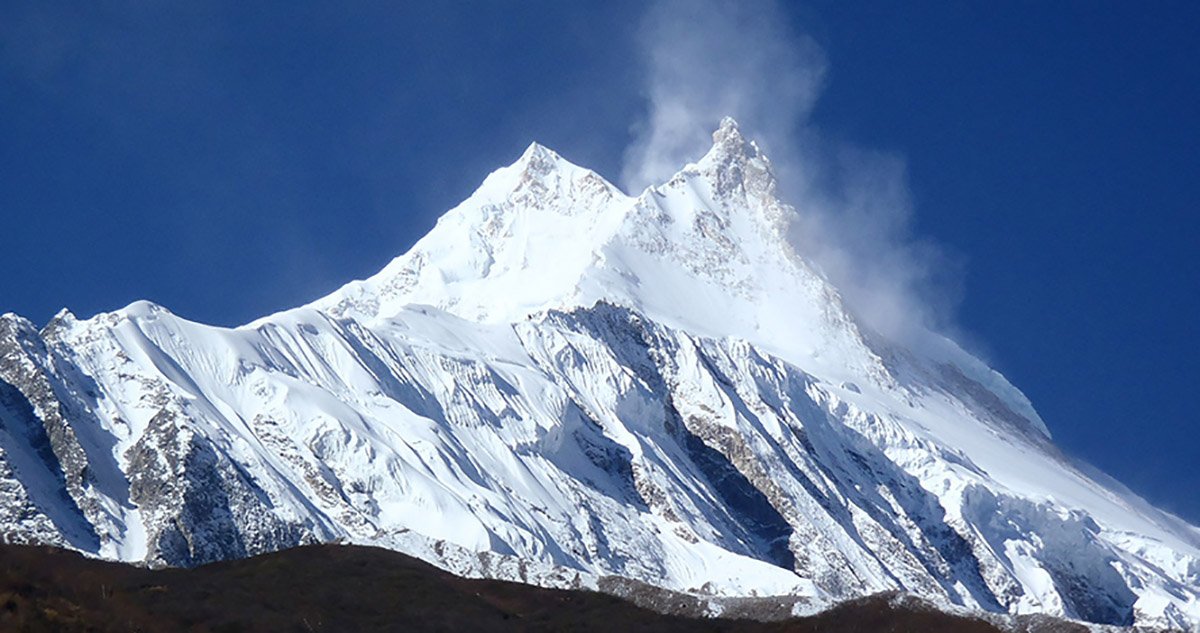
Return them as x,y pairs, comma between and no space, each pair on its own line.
561,382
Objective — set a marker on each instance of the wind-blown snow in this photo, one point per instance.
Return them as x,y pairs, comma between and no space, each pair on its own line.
561,382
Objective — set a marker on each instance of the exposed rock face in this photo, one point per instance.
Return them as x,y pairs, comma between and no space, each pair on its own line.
570,387
45,469
201,507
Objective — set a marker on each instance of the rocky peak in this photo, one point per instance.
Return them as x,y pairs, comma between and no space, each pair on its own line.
728,136
542,179
737,168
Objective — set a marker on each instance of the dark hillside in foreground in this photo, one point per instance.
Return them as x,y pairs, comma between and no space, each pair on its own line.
350,588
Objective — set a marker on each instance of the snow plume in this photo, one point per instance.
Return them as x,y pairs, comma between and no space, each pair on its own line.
708,59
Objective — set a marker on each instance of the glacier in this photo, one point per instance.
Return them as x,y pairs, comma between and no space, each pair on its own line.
566,385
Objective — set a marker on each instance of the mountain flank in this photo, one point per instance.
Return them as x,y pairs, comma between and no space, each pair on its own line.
658,396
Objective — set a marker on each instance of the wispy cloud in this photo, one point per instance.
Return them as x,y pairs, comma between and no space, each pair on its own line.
709,59
712,58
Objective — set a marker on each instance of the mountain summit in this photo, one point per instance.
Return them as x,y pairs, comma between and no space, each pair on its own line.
568,386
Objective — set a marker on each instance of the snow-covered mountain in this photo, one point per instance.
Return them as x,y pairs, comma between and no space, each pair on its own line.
564,385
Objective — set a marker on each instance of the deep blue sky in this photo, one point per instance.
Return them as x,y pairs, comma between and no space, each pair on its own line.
229,161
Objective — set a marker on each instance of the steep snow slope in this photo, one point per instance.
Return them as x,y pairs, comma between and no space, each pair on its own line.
560,383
